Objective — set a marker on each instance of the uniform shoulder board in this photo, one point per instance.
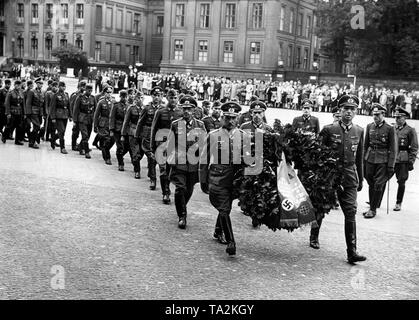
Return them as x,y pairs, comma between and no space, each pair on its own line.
206,117
176,121
200,121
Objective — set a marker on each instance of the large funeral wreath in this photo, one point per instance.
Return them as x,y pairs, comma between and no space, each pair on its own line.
318,171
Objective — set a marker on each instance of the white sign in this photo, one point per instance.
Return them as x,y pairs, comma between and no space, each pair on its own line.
70,72
313,78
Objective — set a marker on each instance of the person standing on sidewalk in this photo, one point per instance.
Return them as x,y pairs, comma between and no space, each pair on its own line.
407,141
380,151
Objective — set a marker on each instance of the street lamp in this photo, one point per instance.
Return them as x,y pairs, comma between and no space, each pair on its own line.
13,47
352,76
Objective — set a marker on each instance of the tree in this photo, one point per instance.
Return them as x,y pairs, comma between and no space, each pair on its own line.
389,43
336,28
71,56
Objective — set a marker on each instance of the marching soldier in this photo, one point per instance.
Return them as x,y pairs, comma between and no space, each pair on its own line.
407,149
183,173
51,129
14,112
59,114
99,97
380,151
101,124
163,119
213,121
76,130
257,111
347,138
143,132
216,175
128,131
27,86
83,112
51,90
307,122
115,126
3,93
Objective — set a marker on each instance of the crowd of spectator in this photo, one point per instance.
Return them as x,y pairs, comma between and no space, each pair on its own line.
22,72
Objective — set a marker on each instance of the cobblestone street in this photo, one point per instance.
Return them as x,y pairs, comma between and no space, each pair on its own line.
110,237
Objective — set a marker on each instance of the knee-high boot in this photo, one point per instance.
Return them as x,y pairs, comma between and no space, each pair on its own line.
350,237
228,232
314,235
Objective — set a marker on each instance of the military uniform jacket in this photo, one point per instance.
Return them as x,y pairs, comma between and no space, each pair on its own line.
407,142
73,99
245,117
102,115
84,108
309,124
252,127
35,100
131,119
163,119
145,122
349,144
211,123
3,94
117,116
48,100
380,144
213,168
60,106
179,139
14,102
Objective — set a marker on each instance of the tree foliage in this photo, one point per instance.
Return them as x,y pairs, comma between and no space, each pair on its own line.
71,56
389,43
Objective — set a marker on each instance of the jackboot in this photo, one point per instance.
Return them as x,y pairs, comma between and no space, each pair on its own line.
182,221
350,237
314,235
228,233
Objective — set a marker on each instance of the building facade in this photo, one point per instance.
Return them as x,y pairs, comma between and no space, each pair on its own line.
246,38
119,33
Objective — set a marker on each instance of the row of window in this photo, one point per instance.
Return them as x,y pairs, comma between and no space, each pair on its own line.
293,59
228,51
255,20
255,48
49,13
131,54
291,21
48,46
132,20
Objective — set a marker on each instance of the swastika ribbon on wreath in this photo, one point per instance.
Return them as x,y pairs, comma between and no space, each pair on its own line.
296,207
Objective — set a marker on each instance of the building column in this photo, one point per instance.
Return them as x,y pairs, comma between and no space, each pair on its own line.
26,33
41,13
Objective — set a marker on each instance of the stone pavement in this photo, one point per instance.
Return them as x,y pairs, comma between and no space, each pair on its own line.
104,235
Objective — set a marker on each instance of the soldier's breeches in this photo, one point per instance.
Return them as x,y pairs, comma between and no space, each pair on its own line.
164,179
136,152
184,183
221,198
60,126
15,122
347,200
3,121
376,175
33,119
402,174
75,134
86,130
106,143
